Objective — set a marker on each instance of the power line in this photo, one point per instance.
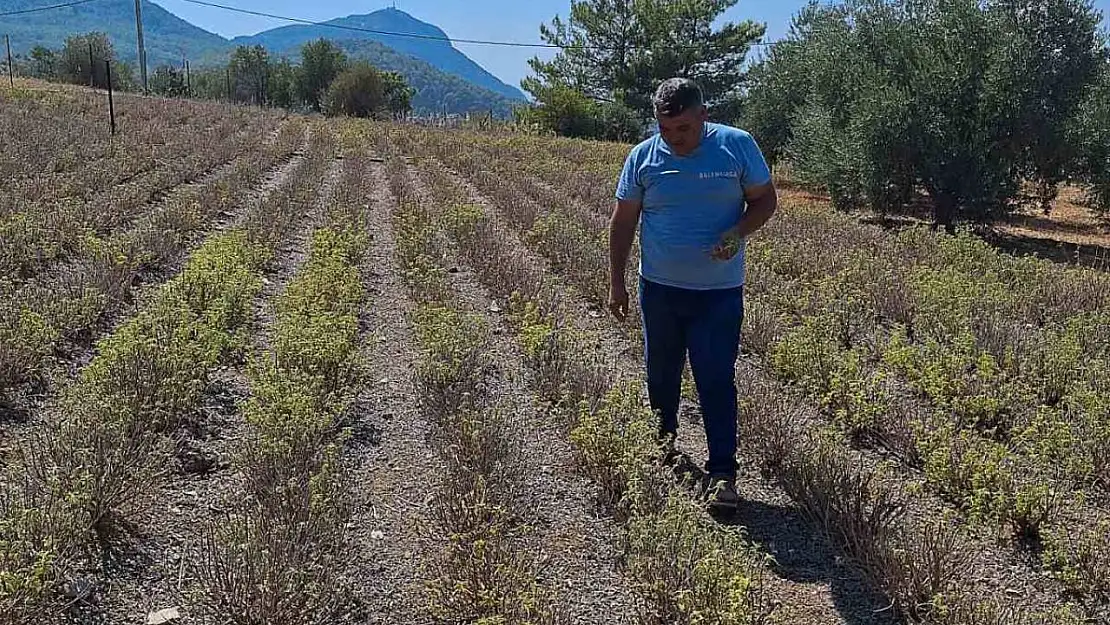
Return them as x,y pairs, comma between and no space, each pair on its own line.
298,20
47,8
482,42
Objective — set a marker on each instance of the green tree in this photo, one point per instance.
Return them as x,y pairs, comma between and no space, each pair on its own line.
618,51
1091,132
398,94
210,83
1053,52
83,59
564,111
43,63
874,98
780,83
363,90
321,62
168,81
250,68
282,85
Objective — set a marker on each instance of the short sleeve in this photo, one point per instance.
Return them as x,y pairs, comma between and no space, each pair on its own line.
755,171
629,187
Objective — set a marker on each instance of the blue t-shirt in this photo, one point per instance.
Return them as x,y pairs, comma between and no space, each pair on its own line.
689,202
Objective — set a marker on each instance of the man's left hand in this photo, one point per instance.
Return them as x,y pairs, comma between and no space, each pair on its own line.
728,247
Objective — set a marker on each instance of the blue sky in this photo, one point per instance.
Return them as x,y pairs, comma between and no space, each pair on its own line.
514,20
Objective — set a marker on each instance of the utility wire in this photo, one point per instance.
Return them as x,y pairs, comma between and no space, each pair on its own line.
297,20
47,8
482,42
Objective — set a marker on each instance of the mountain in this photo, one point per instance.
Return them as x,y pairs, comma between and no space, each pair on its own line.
444,78
432,46
168,37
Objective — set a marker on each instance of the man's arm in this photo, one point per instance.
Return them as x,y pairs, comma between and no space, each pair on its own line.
622,231
762,202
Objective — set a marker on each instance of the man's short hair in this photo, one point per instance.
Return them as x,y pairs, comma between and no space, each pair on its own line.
676,96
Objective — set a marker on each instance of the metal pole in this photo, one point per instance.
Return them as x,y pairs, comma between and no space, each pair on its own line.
92,67
142,44
229,84
111,103
11,74
188,81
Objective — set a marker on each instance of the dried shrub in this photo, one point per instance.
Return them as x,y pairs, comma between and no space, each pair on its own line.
1078,558
260,568
39,533
689,570
100,466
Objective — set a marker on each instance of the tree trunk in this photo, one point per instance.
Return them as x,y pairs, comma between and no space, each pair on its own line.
944,212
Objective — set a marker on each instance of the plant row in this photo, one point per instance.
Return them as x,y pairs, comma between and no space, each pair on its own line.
89,471
1024,481
478,501
1014,349
41,232
84,159
40,318
686,568
1031,416
278,557
899,581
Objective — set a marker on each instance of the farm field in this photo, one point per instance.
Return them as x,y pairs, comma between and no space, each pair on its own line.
277,369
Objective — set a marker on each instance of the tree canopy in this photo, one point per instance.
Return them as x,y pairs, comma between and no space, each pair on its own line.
614,51
968,100
84,61
363,90
321,62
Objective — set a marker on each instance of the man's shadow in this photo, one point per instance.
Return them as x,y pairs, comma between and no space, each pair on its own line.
801,552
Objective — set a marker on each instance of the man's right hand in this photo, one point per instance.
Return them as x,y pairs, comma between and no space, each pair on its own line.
618,299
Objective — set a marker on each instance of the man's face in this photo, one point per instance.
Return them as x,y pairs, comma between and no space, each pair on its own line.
683,132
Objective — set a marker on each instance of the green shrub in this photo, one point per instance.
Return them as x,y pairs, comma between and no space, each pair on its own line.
1079,559
616,446
692,571
26,339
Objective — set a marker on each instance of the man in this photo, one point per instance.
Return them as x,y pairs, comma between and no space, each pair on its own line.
697,190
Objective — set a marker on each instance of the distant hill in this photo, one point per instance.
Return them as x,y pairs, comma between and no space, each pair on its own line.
437,53
168,37
444,78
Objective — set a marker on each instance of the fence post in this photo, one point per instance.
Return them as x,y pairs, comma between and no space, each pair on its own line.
111,103
11,74
188,81
92,68
229,85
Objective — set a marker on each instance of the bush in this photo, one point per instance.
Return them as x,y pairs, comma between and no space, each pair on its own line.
619,123
363,90
77,54
567,112
168,81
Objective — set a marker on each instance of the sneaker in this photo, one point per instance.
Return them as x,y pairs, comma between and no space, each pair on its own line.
722,495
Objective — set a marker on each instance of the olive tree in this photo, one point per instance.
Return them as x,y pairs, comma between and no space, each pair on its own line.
966,100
